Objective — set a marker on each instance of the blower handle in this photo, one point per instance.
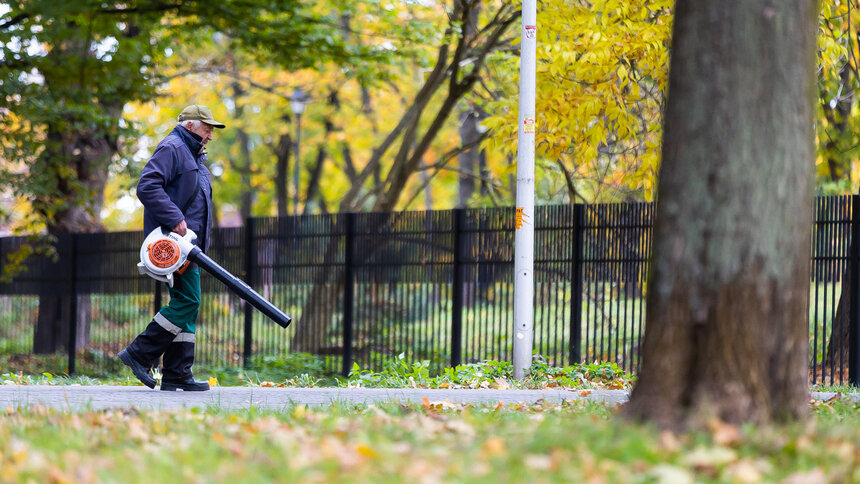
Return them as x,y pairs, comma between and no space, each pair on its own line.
239,287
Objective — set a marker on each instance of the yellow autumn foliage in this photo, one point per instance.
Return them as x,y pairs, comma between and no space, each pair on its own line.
602,69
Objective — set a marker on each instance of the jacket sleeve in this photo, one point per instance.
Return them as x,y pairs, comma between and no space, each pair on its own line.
154,179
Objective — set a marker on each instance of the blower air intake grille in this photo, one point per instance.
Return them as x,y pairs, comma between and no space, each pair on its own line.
164,253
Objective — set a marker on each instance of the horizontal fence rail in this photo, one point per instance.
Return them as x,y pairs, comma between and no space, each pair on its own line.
365,288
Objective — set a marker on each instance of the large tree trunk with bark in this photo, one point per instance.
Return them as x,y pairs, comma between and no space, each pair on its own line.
726,323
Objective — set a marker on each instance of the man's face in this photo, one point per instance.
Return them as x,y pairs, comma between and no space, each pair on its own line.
203,130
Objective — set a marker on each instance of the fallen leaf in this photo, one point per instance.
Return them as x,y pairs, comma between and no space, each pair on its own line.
585,393
366,451
501,384
669,442
723,433
815,476
300,411
267,384
709,458
19,451
493,446
669,474
538,462
743,472
460,427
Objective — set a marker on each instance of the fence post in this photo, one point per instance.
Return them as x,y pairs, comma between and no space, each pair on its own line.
73,304
854,311
457,296
576,261
248,340
348,289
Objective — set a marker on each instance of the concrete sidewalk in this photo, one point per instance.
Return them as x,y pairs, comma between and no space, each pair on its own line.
79,398
237,398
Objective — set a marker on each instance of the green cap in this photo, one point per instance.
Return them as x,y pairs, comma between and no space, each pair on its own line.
199,113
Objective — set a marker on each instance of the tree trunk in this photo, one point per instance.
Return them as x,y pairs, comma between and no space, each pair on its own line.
314,195
726,328
469,158
282,154
53,323
80,198
837,348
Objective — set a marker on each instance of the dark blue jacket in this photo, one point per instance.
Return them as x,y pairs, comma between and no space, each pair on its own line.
171,180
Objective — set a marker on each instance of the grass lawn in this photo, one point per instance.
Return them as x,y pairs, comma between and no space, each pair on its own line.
433,442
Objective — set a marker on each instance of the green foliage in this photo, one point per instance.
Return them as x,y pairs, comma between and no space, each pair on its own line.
95,364
399,373
52,379
294,369
837,119
70,69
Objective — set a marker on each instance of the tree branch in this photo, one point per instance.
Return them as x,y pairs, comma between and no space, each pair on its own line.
14,20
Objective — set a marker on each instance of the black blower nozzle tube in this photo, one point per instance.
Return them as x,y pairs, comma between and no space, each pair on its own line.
239,287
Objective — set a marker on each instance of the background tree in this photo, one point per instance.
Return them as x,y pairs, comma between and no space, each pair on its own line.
69,69
837,132
459,64
726,333
601,77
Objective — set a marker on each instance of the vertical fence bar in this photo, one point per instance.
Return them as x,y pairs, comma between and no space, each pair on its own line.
575,347
348,288
73,304
817,251
837,336
457,295
248,342
854,261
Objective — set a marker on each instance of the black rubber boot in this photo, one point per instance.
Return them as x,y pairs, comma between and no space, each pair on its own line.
176,368
140,371
144,351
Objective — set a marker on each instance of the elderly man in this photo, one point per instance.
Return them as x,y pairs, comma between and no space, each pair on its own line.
176,191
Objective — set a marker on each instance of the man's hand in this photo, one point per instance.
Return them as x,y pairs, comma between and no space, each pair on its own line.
181,228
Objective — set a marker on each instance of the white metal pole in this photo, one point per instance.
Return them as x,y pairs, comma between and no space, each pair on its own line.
524,240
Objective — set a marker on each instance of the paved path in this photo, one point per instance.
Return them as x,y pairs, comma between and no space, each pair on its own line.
237,398
233,398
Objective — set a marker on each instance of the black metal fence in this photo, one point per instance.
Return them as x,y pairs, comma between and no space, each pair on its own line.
364,288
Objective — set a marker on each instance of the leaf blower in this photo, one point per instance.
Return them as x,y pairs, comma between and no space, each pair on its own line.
164,253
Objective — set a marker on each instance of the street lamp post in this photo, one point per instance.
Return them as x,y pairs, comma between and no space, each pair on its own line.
298,102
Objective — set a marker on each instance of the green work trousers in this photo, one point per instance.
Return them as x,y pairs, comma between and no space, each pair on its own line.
184,300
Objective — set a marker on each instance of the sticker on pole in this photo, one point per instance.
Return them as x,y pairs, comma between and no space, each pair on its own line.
520,217
530,31
529,125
